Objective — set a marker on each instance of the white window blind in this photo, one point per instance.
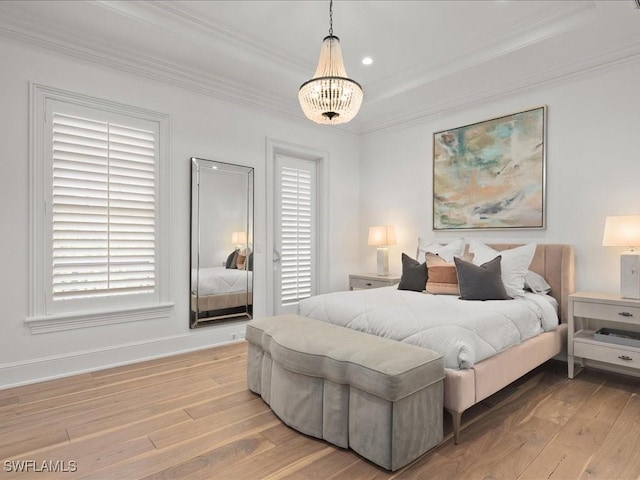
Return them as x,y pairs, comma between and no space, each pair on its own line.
297,231
103,208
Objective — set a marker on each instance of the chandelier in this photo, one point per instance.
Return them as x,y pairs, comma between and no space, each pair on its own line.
330,97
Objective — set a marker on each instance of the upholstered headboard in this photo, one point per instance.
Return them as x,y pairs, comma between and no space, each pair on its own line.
555,262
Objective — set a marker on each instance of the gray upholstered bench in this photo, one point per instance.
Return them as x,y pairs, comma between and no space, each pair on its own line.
380,397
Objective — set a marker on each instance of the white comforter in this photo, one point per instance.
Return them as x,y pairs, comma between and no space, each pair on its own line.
464,332
221,280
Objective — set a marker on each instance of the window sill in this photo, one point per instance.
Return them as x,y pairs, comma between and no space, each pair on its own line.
71,321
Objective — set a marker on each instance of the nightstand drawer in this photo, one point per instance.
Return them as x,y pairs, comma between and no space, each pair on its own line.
603,311
362,283
608,354
592,311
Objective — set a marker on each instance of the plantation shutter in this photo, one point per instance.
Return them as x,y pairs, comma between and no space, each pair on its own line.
297,231
103,208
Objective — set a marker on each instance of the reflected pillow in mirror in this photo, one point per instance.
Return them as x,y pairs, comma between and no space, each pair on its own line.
242,260
232,260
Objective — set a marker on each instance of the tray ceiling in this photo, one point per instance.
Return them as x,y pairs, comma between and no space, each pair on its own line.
429,56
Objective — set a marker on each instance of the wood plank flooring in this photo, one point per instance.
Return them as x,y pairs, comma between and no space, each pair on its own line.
191,416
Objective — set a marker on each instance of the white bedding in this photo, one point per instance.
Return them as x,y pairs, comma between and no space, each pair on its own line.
464,332
221,280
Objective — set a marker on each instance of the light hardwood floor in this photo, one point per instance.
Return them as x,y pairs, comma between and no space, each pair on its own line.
191,416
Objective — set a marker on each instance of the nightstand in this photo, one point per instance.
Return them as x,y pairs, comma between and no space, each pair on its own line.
371,280
589,312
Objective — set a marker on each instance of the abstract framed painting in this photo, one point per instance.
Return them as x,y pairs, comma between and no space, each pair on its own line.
491,174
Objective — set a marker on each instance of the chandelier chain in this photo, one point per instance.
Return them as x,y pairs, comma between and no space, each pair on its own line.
330,17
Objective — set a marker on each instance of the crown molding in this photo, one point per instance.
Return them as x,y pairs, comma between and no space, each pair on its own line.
518,36
171,16
27,30
621,54
155,68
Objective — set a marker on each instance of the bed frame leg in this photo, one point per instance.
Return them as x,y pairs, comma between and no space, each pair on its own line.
456,417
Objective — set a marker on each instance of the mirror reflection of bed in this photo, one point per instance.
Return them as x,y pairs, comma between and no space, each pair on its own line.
221,242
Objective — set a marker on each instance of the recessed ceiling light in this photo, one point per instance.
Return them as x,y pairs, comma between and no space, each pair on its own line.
367,61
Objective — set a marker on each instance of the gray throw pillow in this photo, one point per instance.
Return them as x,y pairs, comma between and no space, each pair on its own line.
482,282
414,274
232,260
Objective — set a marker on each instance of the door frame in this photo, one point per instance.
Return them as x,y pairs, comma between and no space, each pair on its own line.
276,147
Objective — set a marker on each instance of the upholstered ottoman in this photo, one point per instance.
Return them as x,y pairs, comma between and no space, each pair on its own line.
380,397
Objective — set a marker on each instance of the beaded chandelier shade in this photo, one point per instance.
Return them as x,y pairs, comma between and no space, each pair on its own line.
330,97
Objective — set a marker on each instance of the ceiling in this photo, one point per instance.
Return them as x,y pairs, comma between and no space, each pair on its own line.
429,56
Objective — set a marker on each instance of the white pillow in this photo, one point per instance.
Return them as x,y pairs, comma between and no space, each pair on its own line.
515,264
536,283
446,252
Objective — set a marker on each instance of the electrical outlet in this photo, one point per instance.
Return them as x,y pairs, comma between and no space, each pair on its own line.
237,335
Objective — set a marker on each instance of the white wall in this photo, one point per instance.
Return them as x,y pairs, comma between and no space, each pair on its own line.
593,170
200,126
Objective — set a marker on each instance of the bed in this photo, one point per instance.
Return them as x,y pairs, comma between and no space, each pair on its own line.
468,379
220,290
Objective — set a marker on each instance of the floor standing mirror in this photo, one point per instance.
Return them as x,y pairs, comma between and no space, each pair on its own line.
221,242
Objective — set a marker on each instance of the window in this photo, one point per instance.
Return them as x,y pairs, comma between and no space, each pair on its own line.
98,187
103,209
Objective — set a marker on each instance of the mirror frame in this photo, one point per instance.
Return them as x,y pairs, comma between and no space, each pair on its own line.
198,317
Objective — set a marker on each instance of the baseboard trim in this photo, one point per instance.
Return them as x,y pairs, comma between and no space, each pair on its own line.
41,369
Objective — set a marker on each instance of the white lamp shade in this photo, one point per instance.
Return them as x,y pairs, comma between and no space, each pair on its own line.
382,236
239,238
622,231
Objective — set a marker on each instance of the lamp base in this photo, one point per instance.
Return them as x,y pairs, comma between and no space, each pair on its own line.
383,261
630,275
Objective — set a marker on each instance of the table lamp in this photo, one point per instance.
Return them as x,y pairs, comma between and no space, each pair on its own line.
624,231
382,237
239,239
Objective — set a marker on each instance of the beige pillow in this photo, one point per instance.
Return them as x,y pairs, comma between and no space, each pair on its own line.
241,262
442,277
